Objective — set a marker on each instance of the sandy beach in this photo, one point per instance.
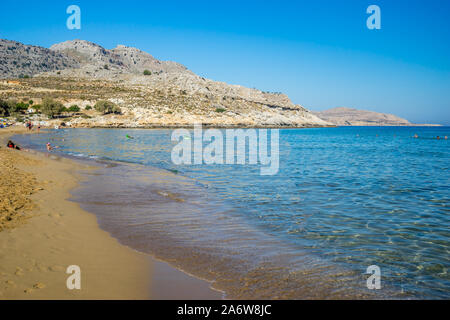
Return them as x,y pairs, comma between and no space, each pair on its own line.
42,234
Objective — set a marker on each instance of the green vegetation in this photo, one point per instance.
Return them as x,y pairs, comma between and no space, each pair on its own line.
51,107
147,73
5,107
107,107
74,108
30,102
88,107
9,107
220,110
20,107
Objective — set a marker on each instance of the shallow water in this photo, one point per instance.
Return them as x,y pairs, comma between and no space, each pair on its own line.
344,199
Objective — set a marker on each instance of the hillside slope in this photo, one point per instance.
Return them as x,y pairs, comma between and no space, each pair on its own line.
19,60
352,117
169,94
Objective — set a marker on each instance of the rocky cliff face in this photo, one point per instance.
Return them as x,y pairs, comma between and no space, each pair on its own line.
120,60
169,95
19,60
352,117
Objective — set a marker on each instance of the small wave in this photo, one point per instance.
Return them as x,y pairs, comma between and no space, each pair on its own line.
170,196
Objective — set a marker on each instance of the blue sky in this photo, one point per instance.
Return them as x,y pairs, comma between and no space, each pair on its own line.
319,52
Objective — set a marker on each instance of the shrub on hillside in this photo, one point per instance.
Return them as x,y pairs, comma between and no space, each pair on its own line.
21,107
107,107
74,108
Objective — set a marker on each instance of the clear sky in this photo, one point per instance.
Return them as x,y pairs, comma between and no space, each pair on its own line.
318,52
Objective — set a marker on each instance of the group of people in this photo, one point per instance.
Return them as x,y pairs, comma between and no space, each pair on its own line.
416,136
12,145
29,125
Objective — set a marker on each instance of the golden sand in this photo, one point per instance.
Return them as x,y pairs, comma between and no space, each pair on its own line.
42,234
16,186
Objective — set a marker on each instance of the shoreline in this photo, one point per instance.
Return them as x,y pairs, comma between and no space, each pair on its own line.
54,233
99,188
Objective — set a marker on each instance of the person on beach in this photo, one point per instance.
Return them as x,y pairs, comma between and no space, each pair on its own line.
11,145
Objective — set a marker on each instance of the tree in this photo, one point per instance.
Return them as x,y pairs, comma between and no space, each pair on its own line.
88,107
20,107
4,108
51,107
107,107
147,73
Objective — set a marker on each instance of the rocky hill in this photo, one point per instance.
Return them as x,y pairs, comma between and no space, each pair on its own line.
168,95
122,59
352,117
19,60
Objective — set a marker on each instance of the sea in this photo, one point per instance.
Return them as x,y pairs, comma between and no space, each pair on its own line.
344,202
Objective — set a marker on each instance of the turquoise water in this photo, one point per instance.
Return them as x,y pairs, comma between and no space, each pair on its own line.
343,199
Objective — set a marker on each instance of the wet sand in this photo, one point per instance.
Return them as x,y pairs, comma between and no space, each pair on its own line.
42,234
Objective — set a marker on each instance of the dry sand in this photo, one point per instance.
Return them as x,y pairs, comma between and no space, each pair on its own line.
42,233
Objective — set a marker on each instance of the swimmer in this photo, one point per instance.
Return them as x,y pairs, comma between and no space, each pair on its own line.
50,148
416,136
